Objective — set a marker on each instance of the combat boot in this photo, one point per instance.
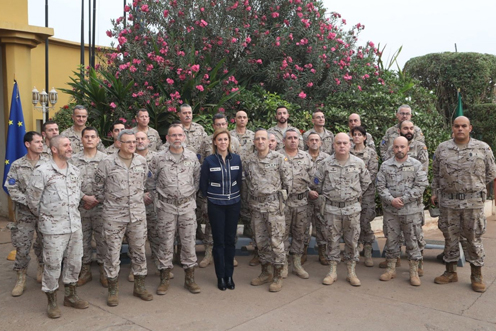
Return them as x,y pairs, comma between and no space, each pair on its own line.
176,257
208,257
352,277
390,272
189,281
449,276
332,276
414,276
476,279
276,284
367,253
264,277
71,299
103,277
255,260
20,285
284,272
130,277
113,292
304,255
53,310
39,273
322,255
85,275
297,268
384,264
421,267
140,289
164,281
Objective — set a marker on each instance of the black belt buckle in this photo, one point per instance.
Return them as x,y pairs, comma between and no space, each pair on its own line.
341,204
460,196
300,196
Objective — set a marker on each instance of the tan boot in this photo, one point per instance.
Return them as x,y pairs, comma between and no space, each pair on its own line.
235,263
140,289
476,279
208,257
85,275
352,277
164,281
390,272
304,255
276,284
297,268
284,272
255,259
20,285
414,277
176,257
189,281
71,299
103,277
449,276
130,277
384,264
39,273
322,255
421,267
367,253
264,277
332,276
113,292
53,310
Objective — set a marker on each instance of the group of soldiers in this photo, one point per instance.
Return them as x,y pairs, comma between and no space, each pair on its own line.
70,191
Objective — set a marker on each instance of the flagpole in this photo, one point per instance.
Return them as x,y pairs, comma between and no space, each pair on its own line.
82,36
46,115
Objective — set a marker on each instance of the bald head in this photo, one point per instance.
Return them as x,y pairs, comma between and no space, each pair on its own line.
342,146
400,149
241,119
354,120
461,130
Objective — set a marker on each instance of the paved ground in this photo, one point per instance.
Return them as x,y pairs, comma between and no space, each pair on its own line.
301,304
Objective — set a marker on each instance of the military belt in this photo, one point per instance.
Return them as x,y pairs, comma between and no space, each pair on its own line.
265,198
298,196
462,196
174,201
341,204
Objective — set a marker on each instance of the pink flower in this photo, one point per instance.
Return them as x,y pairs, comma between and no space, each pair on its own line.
133,68
275,14
310,84
232,120
302,95
109,33
144,8
127,8
371,44
222,110
113,105
166,13
359,87
347,77
195,67
259,61
122,119
200,88
122,40
169,81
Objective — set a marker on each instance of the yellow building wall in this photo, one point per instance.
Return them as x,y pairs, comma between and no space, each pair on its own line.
15,11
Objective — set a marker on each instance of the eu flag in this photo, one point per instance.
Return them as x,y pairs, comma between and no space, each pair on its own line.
15,148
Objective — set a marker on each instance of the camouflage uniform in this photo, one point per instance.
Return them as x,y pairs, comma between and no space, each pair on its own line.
91,220
369,142
151,215
53,195
76,143
47,152
206,150
367,215
111,149
342,187
279,133
316,218
121,190
174,184
26,223
155,140
327,138
418,151
265,178
460,176
392,133
296,211
246,148
407,181
194,138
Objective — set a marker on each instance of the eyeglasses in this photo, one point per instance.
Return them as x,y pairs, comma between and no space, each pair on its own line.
405,114
129,142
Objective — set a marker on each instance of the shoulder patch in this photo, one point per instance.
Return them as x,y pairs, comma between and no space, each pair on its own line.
198,156
149,174
316,181
383,142
12,181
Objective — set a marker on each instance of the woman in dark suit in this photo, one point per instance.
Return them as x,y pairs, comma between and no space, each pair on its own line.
220,182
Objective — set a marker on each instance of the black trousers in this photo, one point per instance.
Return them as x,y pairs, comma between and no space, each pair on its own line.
224,222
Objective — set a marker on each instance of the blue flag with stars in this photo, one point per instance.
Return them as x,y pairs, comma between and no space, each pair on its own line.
16,130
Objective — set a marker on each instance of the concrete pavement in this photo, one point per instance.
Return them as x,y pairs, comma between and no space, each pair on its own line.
301,304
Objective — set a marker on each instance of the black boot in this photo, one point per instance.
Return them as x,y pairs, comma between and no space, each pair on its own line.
221,284
229,283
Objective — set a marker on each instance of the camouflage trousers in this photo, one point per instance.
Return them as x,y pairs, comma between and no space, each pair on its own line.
318,224
22,237
396,225
297,224
347,226
419,233
367,215
269,235
245,213
469,224
167,225
151,225
92,226
58,247
202,218
114,232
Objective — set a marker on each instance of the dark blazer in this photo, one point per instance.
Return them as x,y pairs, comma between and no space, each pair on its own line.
221,182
